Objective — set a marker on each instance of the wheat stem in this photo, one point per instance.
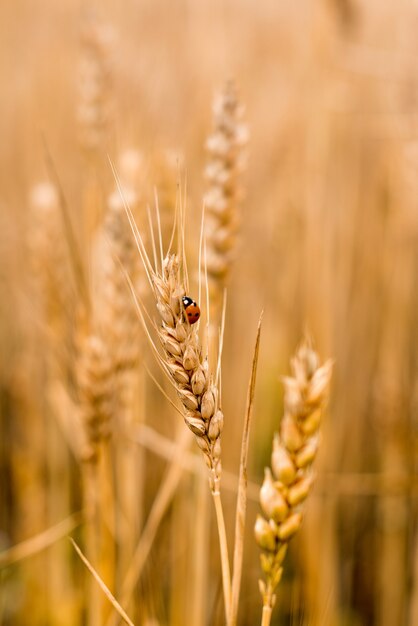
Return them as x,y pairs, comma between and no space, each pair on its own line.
242,489
91,538
226,575
266,615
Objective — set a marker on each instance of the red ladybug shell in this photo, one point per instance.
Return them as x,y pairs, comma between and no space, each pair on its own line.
191,309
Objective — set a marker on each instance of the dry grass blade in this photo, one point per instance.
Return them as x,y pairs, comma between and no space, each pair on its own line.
39,542
159,507
242,488
102,585
74,251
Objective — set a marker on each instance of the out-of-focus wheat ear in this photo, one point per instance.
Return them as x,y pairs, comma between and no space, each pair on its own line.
94,107
49,258
226,160
288,482
94,115
96,391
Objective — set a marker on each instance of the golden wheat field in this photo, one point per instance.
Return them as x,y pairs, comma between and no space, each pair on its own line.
208,313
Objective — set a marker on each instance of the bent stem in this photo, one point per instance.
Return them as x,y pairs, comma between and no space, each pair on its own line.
226,575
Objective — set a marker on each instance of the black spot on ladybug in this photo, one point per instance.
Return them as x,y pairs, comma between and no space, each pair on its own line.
191,309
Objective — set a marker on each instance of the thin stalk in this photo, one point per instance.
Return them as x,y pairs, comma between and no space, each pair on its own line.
107,516
268,603
242,489
73,247
159,507
91,539
226,575
198,601
102,585
39,542
266,615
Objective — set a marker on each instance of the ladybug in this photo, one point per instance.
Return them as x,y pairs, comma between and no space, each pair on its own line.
191,309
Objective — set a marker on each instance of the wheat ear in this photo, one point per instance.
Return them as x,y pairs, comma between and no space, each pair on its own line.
225,147
188,369
288,483
93,110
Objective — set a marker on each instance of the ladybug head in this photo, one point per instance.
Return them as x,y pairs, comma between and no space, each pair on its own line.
187,301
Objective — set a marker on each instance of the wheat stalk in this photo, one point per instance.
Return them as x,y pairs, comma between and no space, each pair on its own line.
96,395
196,389
288,483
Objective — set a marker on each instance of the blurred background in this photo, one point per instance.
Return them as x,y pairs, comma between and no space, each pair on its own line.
328,243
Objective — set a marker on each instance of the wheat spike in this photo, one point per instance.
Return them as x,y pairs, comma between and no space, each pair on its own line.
289,480
187,368
93,110
96,390
225,147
